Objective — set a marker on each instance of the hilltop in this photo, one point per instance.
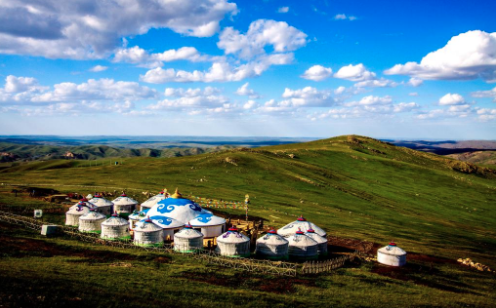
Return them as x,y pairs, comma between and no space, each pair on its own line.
477,157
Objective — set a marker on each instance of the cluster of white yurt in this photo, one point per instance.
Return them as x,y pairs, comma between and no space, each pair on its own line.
124,204
103,205
209,224
391,255
146,233
300,224
233,244
115,228
188,240
272,246
91,221
148,204
302,247
76,211
321,241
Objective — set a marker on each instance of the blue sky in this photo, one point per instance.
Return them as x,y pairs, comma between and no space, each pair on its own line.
387,69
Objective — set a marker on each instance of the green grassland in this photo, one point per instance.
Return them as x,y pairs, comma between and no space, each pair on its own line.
352,186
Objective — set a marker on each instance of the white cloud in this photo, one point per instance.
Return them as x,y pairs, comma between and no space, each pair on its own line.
376,83
93,28
466,56
317,73
283,9
486,114
249,104
355,73
98,68
405,107
344,17
371,100
457,110
261,33
451,99
306,97
413,94
340,90
190,98
244,91
415,82
488,93
137,55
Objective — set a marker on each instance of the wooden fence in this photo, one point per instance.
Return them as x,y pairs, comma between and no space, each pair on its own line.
317,267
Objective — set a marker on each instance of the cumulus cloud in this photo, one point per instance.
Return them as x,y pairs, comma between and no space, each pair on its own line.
371,100
340,90
376,83
486,114
355,73
283,9
244,91
466,56
93,28
415,82
249,104
451,99
306,97
141,57
179,99
344,17
98,68
317,73
488,93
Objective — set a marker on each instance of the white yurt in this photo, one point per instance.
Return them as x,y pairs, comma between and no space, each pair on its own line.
124,205
146,233
103,205
91,221
148,204
322,241
89,196
76,211
211,225
115,228
135,217
188,240
169,225
302,247
233,244
272,246
178,208
391,255
300,224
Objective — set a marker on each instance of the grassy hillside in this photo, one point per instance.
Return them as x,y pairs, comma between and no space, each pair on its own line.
478,157
352,186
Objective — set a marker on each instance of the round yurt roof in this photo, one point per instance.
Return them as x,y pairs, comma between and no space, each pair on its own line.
81,207
93,215
154,200
272,239
319,239
299,239
115,220
207,219
146,225
89,196
232,236
166,222
138,215
124,200
177,207
99,201
392,250
188,233
300,224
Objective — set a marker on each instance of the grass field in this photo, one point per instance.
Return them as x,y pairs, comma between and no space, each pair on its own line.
355,187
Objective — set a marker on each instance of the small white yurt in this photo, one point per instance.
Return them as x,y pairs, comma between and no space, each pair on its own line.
211,225
103,205
115,228
300,224
76,211
177,207
169,226
233,244
135,217
302,247
91,221
272,246
148,204
89,196
124,205
391,255
322,241
146,233
188,240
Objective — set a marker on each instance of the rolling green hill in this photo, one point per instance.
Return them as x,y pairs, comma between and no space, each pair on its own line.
352,186
477,157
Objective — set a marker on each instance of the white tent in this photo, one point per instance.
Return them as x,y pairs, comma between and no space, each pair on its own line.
124,205
322,241
91,221
302,247
300,224
233,244
103,205
211,225
146,233
148,204
188,240
76,211
169,225
391,255
135,217
272,246
115,228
